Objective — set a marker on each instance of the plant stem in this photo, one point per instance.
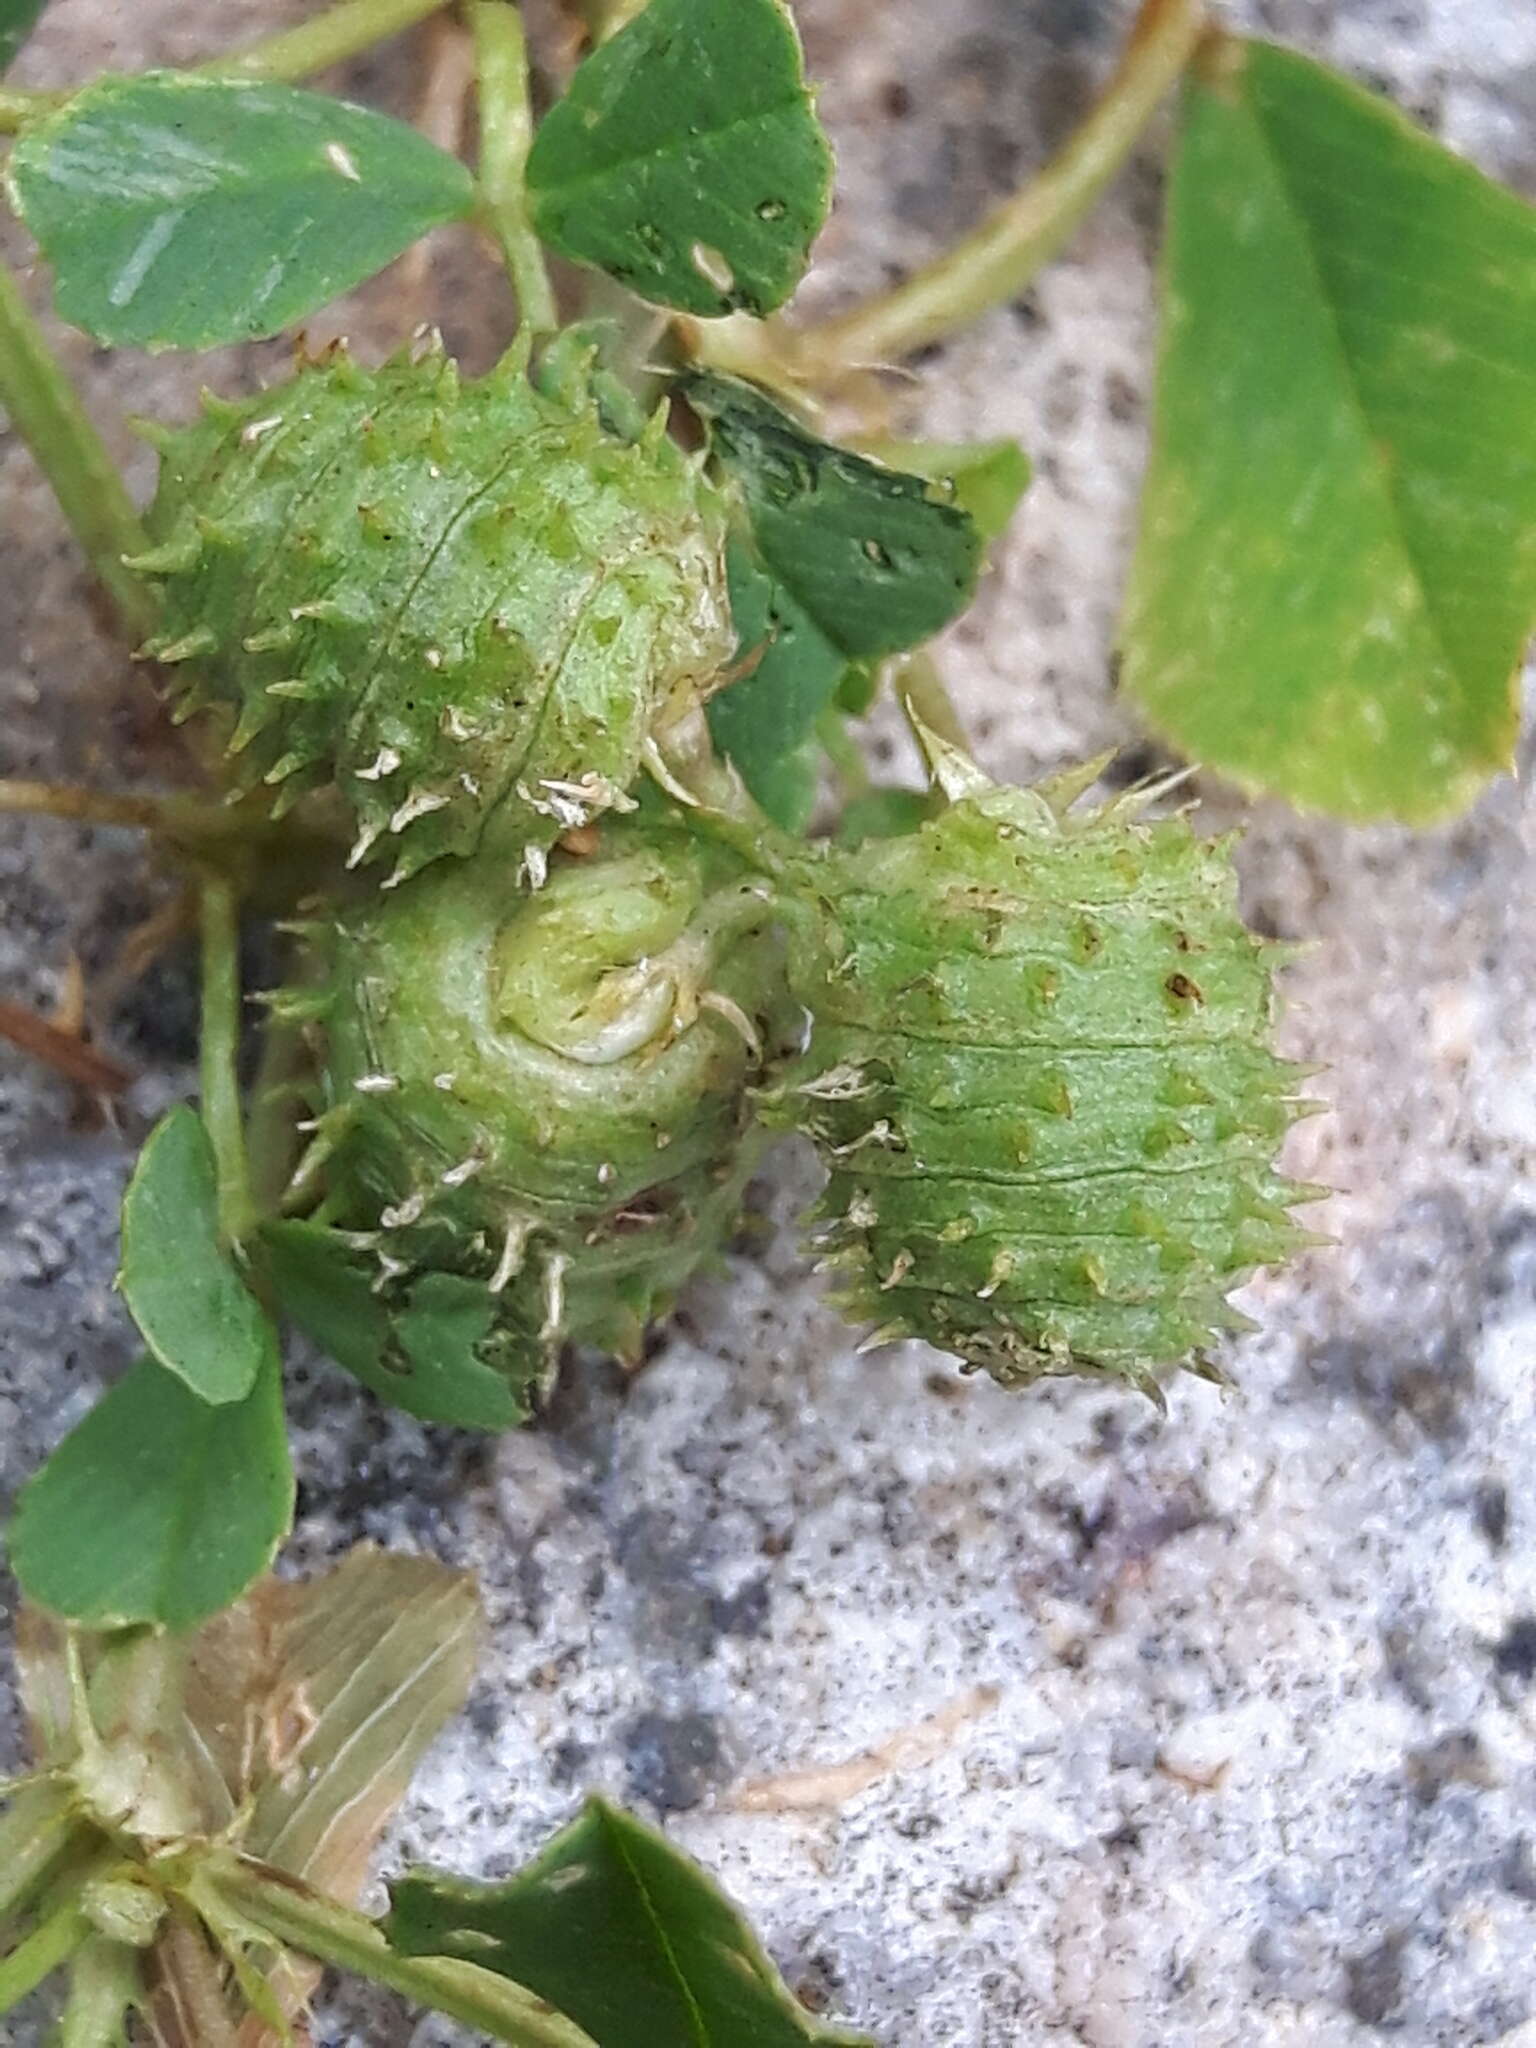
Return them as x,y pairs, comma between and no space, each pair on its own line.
330,38
34,1837
104,1981
506,132
49,1944
994,263
46,412
287,1911
219,1055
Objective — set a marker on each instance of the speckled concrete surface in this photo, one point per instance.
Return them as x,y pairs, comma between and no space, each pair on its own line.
1210,1733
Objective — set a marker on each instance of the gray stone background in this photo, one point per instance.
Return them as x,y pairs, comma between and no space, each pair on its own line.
1219,1731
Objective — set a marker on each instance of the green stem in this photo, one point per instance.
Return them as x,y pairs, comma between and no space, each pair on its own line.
35,1835
104,1983
49,1944
506,133
46,412
994,263
332,37
219,1056
287,1911
271,1132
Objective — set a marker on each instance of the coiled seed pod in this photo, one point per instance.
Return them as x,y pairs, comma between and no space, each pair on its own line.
1041,1082
458,601
549,1090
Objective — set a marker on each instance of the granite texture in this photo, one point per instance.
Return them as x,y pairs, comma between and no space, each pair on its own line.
1011,1720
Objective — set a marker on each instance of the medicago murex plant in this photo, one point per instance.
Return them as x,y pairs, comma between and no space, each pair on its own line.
511,697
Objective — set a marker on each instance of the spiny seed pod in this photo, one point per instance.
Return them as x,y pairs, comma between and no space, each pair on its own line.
550,1090
457,601
1041,1082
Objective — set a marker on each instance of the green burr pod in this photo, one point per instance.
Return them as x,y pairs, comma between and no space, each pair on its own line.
467,604
1041,1080
550,1091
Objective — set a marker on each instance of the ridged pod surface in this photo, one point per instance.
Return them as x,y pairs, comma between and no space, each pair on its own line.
1041,1081
461,601
549,1090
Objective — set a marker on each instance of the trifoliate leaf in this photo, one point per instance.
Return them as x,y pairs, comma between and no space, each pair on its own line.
422,1358
182,1288
184,212
1336,573
157,1508
622,1933
686,159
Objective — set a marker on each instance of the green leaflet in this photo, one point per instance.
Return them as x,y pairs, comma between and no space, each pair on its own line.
182,1288
183,212
422,1357
1336,572
622,1933
686,159
764,723
843,561
157,1507
878,560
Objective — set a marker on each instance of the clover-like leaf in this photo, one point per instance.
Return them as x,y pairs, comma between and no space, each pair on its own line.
686,159
621,1932
183,212
157,1508
423,1357
195,1312
1336,573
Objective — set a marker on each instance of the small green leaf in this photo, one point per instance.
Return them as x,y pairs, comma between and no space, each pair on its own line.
764,722
18,18
422,1358
182,1288
849,561
686,159
877,560
987,478
1336,573
620,1932
183,212
157,1508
